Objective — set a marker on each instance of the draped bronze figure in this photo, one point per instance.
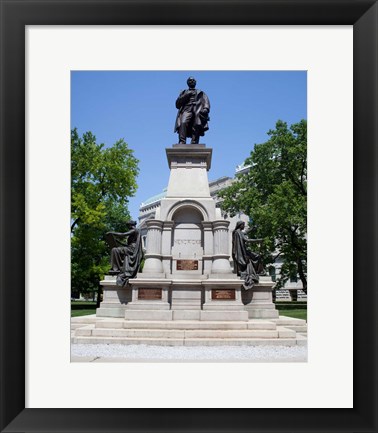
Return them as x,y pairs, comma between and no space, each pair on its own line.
125,257
193,113
247,264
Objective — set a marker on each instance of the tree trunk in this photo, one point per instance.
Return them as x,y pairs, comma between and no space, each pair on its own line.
302,276
99,294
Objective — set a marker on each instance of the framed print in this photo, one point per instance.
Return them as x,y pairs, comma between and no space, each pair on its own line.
28,341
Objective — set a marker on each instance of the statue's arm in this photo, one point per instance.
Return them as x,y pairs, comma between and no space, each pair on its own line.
121,235
182,99
205,103
254,241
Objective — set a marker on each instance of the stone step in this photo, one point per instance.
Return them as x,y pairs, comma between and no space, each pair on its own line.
184,334
187,324
289,321
286,332
190,341
92,331
203,315
90,318
297,328
77,325
77,322
301,340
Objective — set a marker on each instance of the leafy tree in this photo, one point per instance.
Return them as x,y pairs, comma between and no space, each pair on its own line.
102,180
274,194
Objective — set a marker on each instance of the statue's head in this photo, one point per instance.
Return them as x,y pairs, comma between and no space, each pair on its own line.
191,82
132,223
240,225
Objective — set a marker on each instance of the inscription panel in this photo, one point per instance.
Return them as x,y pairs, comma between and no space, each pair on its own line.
150,294
187,265
188,242
223,294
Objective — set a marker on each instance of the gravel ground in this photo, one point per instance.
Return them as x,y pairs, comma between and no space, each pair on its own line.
122,353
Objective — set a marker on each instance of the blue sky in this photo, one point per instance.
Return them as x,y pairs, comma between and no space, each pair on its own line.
139,106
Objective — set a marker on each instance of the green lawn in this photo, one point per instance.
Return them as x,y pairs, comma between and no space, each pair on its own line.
297,314
77,313
82,308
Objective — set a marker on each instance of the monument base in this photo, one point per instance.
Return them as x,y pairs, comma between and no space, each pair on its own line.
185,297
115,298
258,301
179,297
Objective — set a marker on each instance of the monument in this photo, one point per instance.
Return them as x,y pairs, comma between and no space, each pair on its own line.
187,273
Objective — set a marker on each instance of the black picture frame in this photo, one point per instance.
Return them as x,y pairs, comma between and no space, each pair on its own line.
15,15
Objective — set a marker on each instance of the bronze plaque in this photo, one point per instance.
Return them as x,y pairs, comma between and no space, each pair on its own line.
149,294
223,294
187,265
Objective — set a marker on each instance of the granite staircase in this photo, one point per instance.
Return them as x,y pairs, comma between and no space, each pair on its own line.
284,331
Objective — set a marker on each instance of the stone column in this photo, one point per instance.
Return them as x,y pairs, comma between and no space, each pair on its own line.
153,259
207,227
221,263
167,245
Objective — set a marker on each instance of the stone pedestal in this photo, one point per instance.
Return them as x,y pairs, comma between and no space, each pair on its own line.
187,294
115,298
187,273
189,165
258,301
221,294
149,299
149,293
223,300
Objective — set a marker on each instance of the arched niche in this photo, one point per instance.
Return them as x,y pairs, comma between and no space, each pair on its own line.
187,234
180,207
187,214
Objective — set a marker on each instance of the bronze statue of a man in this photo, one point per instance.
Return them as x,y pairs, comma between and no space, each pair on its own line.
125,258
193,113
247,264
